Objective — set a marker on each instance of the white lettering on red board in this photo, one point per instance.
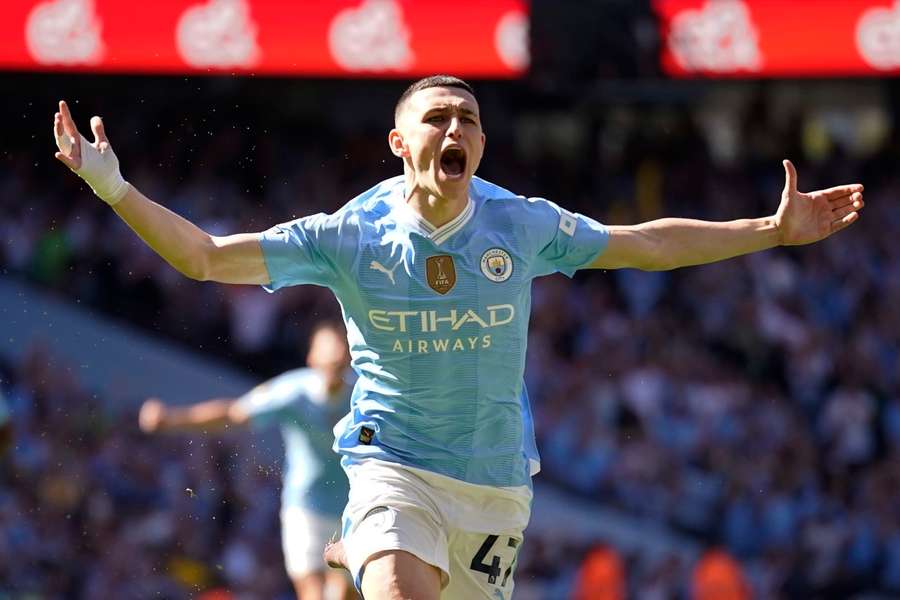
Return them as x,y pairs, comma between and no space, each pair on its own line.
719,37
219,34
371,37
64,32
878,37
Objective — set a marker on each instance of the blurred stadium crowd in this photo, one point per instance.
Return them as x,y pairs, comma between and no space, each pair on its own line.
752,405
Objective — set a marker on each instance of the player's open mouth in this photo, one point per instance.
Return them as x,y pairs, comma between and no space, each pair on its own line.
453,162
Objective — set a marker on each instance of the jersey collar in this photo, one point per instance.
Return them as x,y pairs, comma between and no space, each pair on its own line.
438,235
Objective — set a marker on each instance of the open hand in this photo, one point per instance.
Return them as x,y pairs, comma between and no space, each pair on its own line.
95,162
803,218
68,138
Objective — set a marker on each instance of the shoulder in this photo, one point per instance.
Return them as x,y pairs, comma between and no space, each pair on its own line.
289,384
493,196
488,192
374,202
295,378
521,210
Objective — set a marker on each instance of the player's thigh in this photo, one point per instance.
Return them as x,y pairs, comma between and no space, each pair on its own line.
399,575
310,586
371,532
324,585
338,586
482,565
391,510
303,535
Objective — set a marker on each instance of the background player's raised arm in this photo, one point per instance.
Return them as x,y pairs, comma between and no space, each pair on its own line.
193,252
211,415
802,218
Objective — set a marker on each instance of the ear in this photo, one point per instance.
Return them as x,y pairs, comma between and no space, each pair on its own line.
397,144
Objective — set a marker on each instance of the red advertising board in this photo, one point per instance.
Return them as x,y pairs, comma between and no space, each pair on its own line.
363,38
779,38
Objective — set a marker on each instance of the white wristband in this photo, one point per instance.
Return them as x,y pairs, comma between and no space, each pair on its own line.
100,170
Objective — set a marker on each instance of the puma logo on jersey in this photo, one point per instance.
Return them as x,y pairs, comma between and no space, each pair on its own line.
377,266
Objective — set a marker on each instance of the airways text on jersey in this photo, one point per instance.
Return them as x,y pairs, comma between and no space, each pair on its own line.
459,330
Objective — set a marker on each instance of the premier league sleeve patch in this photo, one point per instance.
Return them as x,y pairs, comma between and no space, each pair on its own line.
496,264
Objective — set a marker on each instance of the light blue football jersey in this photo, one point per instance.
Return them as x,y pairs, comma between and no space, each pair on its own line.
299,404
437,321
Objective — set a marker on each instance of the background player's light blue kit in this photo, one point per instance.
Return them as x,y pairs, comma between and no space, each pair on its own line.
298,403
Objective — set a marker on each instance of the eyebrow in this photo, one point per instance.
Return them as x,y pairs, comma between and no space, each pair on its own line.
446,107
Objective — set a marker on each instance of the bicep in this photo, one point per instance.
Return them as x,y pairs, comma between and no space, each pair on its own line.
629,247
237,258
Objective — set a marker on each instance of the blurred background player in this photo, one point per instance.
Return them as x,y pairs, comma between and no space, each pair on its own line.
305,404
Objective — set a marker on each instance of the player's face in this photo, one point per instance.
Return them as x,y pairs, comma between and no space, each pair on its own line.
328,354
439,137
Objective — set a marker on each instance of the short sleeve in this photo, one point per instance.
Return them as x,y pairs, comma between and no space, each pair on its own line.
302,251
567,241
274,401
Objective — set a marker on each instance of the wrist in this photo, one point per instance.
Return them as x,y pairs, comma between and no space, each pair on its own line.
771,228
113,192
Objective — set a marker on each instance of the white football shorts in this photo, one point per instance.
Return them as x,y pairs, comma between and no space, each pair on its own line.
472,533
304,534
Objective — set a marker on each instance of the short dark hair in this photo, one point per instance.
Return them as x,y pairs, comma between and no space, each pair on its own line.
430,82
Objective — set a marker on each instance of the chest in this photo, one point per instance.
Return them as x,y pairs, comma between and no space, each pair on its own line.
471,270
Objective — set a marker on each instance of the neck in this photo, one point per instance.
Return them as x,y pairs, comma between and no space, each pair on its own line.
437,210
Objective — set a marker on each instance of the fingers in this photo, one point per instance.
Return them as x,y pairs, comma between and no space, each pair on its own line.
63,141
835,193
67,121
842,211
67,138
99,132
830,194
790,176
66,161
58,130
845,200
845,222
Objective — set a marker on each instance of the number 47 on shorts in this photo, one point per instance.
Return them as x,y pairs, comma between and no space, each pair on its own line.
492,567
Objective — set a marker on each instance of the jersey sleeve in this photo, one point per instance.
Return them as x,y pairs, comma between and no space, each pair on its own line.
565,241
274,401
306,250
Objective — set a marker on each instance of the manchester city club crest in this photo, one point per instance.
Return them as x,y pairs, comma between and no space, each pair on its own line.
496,264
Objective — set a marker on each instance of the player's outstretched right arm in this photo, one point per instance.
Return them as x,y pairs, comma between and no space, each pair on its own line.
193,252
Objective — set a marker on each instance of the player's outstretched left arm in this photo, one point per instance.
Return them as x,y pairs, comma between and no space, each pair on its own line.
801,218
